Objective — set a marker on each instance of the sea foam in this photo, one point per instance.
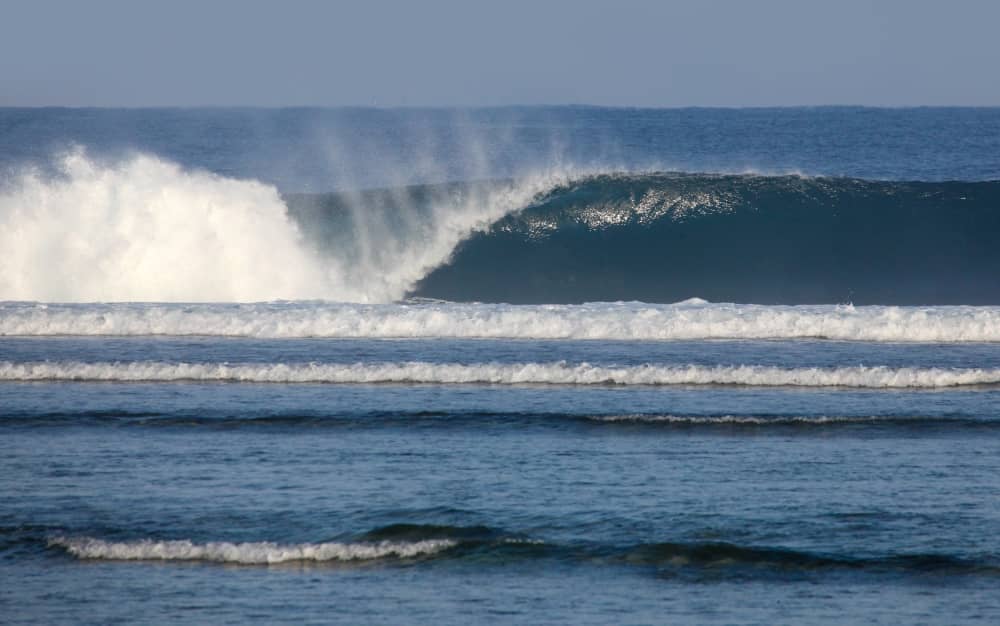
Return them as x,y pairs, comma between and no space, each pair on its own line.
693,319
253,553
556,373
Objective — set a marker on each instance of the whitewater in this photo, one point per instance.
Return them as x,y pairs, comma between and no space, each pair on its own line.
633,321
144,228
259,553
558,373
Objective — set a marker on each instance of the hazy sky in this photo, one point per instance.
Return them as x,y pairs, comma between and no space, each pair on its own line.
432,52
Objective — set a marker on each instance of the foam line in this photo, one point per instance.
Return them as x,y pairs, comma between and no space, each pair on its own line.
254,553
692,319
555,373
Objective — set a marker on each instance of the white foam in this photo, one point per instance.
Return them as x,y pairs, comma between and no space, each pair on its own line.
556,373
145,229
692,319
254,553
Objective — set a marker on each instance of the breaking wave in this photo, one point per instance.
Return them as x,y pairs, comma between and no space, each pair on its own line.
737,238
556,373
715,559
692,319
145,229
253,553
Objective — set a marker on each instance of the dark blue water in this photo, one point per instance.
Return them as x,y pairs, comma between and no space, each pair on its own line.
420,461
317,150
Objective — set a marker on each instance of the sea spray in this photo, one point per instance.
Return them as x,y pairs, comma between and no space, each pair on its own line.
146,229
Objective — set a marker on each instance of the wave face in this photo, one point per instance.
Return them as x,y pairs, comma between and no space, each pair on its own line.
692,319
762,239
558,373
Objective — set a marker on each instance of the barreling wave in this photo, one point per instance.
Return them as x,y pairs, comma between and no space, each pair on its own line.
555,373
763,239
252,553
692,319
145,229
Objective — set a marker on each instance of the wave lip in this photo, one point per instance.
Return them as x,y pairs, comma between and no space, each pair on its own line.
553,373
632,321
252,553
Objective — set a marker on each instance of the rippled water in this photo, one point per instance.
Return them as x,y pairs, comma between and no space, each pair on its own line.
169,500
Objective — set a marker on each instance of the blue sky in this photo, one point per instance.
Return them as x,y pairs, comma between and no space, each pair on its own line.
452,53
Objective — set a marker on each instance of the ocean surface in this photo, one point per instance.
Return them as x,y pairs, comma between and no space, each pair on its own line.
519,365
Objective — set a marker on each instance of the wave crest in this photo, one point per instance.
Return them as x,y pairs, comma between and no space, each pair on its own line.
253,553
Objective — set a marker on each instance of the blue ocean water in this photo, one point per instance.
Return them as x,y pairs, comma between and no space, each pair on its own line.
410,366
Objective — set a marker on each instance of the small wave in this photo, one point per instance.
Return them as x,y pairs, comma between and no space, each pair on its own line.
692,319
465,419
715,559
556,373
252,553
778,420
728,556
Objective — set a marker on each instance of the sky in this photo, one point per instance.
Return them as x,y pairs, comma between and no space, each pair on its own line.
504,52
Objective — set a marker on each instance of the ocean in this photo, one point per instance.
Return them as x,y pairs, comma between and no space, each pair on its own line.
517,365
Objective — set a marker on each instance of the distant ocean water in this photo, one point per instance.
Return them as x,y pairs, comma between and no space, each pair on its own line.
547,365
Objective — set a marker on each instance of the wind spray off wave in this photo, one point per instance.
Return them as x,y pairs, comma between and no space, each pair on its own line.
145,229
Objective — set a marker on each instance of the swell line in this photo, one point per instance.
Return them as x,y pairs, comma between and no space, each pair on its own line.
415,541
